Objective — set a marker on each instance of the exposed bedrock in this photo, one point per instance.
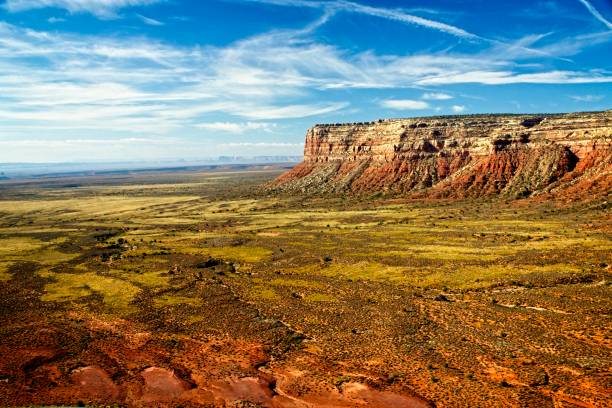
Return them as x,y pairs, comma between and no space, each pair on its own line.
460,156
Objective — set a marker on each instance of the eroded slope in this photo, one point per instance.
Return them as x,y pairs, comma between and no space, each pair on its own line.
459,156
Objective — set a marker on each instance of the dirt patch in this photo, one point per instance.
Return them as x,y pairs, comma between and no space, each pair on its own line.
93,382
162,385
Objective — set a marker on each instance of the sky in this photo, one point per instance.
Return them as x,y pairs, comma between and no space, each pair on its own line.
131,80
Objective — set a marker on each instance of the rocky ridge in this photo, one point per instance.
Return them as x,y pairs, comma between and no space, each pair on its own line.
459,156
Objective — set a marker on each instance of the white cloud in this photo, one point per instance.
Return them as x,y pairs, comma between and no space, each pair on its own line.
138,85
588,98
596,13
54,20
458,108
41,150
404,104
99,8
509,77
150,21
56,82
575,44
45,143
400,16
436,96
289,111
234,127
521,48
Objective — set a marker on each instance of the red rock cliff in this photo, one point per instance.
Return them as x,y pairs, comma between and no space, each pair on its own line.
461,156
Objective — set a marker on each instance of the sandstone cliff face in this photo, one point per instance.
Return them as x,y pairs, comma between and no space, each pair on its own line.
462,156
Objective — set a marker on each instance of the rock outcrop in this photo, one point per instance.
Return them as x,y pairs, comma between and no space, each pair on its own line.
459,156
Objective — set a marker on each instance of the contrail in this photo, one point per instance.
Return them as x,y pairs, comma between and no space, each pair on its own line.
389,14
334,6
402,17
596,13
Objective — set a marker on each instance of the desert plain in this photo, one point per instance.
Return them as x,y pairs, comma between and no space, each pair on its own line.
202,288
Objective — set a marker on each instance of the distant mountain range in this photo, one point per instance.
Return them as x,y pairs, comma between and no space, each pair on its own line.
20,170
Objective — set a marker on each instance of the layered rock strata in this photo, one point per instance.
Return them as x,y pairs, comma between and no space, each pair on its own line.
459,156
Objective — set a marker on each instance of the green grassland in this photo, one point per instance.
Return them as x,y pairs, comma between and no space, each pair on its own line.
109,244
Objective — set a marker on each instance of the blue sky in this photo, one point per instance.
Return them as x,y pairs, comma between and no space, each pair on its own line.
114,80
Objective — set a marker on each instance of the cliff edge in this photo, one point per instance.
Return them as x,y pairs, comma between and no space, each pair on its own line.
459,156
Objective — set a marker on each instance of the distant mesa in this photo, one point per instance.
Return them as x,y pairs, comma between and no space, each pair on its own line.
459,157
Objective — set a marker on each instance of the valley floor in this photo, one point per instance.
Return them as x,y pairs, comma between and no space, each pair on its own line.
198,289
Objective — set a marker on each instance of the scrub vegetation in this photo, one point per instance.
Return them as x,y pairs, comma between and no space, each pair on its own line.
432,290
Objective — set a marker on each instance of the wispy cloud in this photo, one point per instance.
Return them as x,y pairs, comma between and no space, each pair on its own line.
573,45
139,85
100,8
596,13
289,111
588,98
436,96
335,6
493,77
458,108
55,82
404,104
81,142
54,20
150,21
39,149
236,127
